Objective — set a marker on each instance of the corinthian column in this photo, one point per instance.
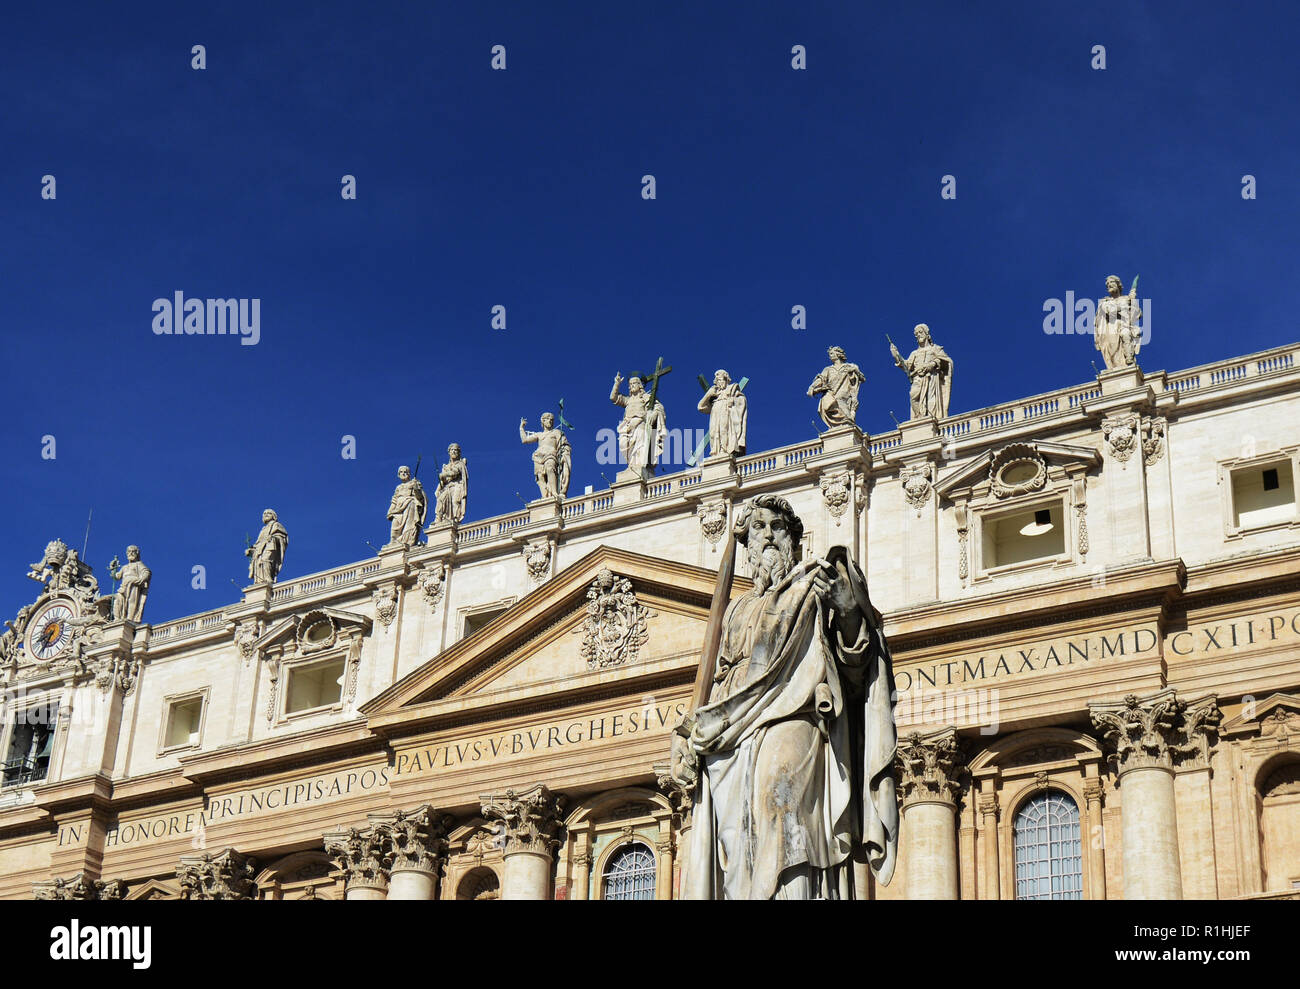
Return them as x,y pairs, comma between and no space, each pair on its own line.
224,875
418,843
1148,735
928,765
364,856
531,821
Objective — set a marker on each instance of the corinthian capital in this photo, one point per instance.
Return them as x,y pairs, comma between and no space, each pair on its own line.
416,840
531,818
79,888
363,854
225,875
928,766
1158,730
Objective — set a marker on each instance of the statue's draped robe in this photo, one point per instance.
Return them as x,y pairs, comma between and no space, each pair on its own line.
407,511
728,411
641,433
268,553
930,369
1114,331
839,384
796,747
453,486
133,591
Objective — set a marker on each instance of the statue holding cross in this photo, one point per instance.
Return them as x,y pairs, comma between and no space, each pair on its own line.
642,431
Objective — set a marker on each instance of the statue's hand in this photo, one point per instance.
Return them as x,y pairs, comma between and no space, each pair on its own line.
833,588
685,763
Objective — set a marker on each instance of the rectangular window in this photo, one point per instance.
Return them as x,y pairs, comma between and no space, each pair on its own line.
1263,495
1019,537
317,685
31,742
476,621
184,722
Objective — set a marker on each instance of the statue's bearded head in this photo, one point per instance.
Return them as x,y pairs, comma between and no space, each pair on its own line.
133,553
922,333
721,378
268,516
836,354
453,451
634,385
1113,285
769,530
548,420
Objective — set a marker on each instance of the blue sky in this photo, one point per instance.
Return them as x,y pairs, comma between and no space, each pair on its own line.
522,188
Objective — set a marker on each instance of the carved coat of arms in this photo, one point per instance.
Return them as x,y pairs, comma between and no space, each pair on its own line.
616,626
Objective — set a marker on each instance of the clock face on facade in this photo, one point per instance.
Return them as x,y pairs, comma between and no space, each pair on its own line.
50,632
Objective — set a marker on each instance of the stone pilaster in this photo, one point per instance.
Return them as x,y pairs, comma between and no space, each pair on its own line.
417,844
1092,792
224,875
79,888
682,799
989,811
364,856
530,821
929,765
1148,737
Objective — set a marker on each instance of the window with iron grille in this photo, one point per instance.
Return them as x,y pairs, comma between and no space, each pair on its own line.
630,874
1048,848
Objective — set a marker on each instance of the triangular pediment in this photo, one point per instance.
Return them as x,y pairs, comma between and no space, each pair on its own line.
975,471
1276,710
552,643
332,620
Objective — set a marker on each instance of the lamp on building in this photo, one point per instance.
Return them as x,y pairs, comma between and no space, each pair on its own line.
1042,523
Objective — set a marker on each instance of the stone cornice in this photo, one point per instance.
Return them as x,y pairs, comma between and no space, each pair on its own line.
1141,587
282,752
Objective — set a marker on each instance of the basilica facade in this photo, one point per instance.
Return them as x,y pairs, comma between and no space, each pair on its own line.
1090,596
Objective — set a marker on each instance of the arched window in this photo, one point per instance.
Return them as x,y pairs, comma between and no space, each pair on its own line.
1049,851
630,874
1279,825
479,884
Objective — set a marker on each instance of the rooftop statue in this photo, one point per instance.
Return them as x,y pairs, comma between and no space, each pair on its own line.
1116,331
267,554
129,599
641,433
407,510
728,410
838,387
929,369
453,487
553,458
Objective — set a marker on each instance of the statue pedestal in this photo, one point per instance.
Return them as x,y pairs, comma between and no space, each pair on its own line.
840,438
1120,380
918,430
719,468
544,509
628,488
442,536
258,594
